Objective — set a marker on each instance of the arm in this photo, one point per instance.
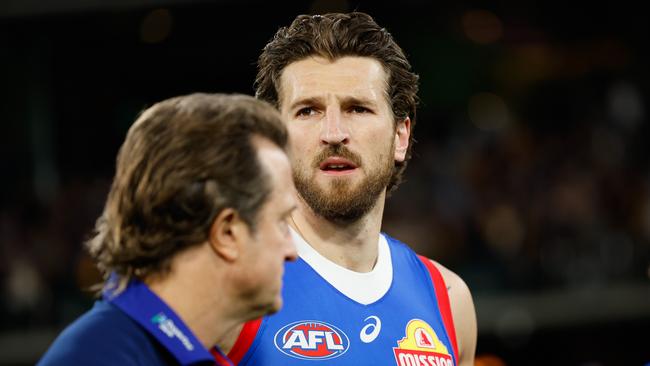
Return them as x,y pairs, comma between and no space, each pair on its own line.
463,313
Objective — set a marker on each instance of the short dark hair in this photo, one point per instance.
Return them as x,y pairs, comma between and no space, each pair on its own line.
334,36
183,161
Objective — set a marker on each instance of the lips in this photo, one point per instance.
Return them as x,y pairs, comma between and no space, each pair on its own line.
337,164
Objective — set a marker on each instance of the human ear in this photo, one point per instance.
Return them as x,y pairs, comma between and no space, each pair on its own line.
402,135
228,234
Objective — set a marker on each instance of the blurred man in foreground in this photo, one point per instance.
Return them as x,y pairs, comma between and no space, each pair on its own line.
193,237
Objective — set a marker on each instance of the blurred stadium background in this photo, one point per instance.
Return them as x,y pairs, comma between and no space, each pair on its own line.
531,174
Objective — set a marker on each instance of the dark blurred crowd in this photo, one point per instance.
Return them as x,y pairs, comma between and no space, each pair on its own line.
548,196
552,194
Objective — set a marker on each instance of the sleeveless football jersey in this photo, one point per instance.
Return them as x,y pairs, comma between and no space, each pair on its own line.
397,314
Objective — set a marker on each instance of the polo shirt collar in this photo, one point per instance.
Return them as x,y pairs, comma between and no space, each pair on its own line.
148,310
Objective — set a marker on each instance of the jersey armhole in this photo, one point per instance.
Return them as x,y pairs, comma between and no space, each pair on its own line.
443,302
244,341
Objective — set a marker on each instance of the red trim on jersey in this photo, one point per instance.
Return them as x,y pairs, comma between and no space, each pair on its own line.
244,341
219,358
443,302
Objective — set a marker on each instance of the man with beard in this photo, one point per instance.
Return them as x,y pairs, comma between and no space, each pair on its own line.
355,296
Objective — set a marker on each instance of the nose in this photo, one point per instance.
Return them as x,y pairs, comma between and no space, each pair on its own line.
333,129
291,251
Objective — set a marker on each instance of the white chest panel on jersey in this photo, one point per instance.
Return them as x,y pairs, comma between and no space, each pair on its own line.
364,288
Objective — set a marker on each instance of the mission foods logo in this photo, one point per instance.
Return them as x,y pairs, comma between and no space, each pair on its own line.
421,347
311,340
169,328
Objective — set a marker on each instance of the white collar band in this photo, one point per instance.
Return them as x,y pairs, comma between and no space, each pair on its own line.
364,288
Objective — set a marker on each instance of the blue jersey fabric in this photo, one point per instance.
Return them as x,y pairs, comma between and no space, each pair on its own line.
134,327
319,323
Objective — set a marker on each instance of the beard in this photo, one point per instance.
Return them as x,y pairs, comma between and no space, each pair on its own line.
341,201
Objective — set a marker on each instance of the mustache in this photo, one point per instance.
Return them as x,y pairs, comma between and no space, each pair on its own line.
336,150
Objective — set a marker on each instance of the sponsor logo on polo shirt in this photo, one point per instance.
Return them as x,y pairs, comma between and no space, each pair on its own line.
169,328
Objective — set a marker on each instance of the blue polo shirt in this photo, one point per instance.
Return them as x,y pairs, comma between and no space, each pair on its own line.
134,327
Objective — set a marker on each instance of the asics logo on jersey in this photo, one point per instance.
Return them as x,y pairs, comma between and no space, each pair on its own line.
311,340
371,330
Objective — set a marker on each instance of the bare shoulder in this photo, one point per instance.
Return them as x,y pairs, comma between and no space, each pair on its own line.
452,280
463,312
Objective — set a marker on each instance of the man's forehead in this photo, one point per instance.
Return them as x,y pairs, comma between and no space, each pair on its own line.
349,77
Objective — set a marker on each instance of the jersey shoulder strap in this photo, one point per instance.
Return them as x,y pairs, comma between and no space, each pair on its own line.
443,301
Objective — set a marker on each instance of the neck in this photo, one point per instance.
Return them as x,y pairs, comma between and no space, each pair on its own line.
352,245
209,313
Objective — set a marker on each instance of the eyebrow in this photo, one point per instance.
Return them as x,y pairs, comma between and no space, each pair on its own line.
345,101
305,101
290,210
357,101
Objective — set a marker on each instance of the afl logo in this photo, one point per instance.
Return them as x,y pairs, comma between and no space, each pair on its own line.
311,340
